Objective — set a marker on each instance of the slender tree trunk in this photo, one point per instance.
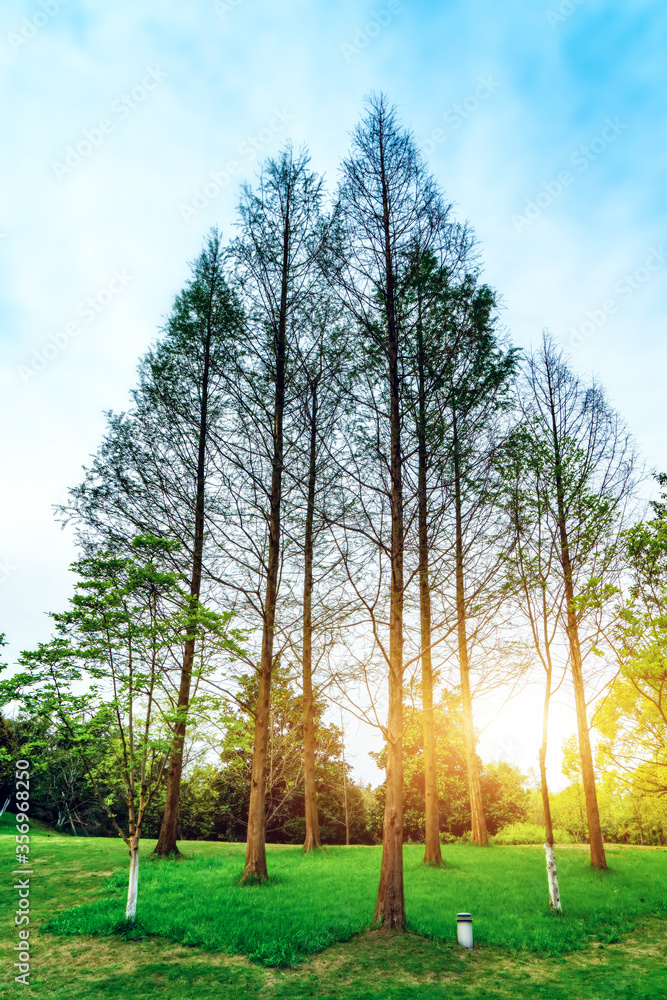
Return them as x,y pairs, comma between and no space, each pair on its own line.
479,833
310,790
255,859
584,828
390,905
552,870
432,851
133,885
596,842
168,835
552,879
345,806
71,822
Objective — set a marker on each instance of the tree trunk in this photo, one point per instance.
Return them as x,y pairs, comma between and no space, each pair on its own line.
432,851
596,842
552,871
166,845
479,833
310,790
255,859
71,821
168,835
345,806
552,879
390,905
133,885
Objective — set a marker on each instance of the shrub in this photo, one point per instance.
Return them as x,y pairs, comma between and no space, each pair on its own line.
530,833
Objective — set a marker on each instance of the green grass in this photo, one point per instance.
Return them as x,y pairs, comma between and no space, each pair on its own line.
199,925
315,900
37,829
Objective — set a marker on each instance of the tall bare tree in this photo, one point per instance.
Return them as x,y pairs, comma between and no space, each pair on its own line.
281,232
154,471
588,467
537,589
387,205
480,376
322,376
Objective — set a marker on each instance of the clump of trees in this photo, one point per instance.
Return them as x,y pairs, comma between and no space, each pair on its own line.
349,488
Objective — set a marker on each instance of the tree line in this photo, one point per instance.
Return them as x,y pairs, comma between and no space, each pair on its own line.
337,469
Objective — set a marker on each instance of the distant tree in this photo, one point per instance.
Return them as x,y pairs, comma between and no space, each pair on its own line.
434,342
632,719
8,746
60,790
502,785
285,777
587,467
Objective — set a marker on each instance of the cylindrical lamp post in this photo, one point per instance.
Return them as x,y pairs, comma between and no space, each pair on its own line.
464,929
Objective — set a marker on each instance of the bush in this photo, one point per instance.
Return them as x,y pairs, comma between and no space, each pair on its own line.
448,838
530,833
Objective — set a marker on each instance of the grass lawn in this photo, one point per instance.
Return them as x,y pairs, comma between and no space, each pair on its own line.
200,935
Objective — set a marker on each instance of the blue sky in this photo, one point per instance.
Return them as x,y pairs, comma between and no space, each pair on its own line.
543,122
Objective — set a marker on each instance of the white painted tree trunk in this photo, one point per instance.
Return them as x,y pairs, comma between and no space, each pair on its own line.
552,877
131,908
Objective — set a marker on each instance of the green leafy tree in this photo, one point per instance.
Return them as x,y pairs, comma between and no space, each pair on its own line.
285,778
502,785
8,746
60,790
103,679
632,719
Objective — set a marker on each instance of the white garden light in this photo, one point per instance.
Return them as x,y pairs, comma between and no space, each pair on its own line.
464,929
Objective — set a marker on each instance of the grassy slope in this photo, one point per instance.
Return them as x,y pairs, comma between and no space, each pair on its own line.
195,894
